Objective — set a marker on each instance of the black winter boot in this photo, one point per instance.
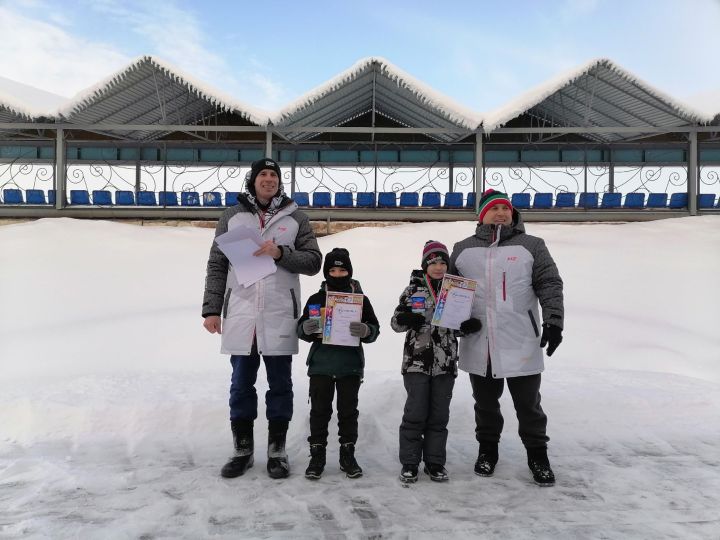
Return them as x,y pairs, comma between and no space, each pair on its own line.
242,431
540,467
347,461
317,462
487,459
409,474
436,472
277,465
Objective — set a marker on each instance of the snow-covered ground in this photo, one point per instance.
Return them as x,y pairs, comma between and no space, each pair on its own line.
113,399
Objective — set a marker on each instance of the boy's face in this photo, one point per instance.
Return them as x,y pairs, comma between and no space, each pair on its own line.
437,270
337,271
499,214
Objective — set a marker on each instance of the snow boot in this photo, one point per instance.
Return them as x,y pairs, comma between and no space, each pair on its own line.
487,459
540,467
436,472
242,431
317,462
409,474
348,464
277,464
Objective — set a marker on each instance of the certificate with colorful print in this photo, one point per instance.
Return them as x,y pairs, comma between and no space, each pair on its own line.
340,310
454,302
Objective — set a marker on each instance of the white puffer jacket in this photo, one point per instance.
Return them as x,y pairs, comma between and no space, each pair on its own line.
268,309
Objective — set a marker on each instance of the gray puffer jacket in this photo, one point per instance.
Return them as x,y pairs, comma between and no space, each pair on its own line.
268,309
514,271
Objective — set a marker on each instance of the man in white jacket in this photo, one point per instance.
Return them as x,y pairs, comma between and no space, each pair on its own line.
514,271
260,319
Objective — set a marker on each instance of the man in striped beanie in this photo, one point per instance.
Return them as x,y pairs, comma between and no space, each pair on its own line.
495,208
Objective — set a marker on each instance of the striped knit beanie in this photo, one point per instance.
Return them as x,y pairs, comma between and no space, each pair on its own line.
489,199
434,251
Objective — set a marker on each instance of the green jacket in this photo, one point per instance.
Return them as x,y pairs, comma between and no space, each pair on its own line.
337,360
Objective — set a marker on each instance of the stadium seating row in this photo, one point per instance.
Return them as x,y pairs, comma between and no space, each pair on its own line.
323,199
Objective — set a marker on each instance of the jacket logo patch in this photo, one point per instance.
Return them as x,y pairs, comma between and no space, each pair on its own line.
282,229
512,259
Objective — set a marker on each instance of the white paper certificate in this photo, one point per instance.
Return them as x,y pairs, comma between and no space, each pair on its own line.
340,310
238,245
454,302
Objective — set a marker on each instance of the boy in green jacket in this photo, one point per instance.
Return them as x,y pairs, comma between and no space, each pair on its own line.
332,367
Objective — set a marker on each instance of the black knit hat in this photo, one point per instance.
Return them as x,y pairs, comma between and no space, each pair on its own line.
260,165
434,251
337,257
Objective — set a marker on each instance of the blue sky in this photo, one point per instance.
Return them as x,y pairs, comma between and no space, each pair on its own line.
480,53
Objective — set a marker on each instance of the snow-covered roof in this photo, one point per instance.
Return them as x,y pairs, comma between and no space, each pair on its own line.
374,82
151,91
598,93
11,110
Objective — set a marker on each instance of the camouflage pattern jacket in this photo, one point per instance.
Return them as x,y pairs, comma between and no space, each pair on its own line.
432,350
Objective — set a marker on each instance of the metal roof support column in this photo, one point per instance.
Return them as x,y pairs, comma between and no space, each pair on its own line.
479,168
693,174
60,176
611,173
268,142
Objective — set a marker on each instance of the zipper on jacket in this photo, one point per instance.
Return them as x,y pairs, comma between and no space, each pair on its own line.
534,324
504,289
295,305
227,301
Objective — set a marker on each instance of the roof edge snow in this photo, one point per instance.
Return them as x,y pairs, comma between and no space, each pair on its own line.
526,101
459,114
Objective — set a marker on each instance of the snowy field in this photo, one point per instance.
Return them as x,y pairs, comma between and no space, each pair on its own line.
113,399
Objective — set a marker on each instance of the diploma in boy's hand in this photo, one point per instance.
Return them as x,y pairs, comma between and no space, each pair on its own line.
340,310
454,302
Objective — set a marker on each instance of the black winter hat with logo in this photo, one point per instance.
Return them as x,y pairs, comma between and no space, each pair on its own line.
337,257
260,165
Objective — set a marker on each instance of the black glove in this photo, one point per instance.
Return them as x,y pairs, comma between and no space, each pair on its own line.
551,336
470,326
310,326
359,329
411,320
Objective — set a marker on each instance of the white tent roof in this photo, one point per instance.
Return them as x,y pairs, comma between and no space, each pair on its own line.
374,82
151,91
598,93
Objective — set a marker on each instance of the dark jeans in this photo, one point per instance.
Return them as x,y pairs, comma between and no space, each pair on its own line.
423,431
525,392
278,398
322,391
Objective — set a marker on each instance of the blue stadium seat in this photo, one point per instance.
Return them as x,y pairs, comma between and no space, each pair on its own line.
102,197
146,198
35,196
189,198
520,200
365,199
565,200
13,196
301,198
611,200
634,200
453,199
430,199
409,199
79,196
321,199
657,200
231,198
706,200
588,199
212,198
167,198
678,200
51,196
343,199
543,200
386,199
471,198
125,198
